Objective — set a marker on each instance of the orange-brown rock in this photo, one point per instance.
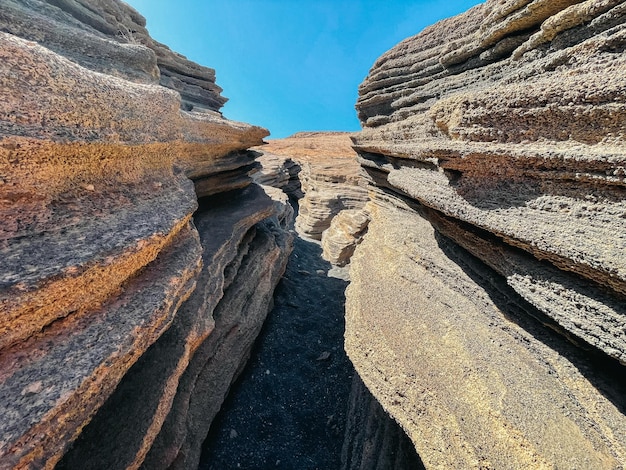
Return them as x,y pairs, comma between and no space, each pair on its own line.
107,288
329,176
494,144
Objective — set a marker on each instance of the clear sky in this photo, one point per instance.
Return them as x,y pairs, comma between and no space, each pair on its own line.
290,65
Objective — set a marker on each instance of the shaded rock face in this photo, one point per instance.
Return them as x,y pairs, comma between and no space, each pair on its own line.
328,174
486,309
121,298
373,439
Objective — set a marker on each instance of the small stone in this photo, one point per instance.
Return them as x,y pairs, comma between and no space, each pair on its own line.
233,434
33,388
324,356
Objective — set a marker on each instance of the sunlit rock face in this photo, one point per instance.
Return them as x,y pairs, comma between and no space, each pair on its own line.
486,310
117,288
345,232
328,173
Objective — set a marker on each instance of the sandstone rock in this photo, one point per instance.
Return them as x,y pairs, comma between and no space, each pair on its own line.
329,176
107,291
78,28
344,234
122,432
80,359
281,172
504,129
454,355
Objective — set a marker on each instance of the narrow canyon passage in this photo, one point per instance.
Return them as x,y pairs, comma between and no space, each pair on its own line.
288,408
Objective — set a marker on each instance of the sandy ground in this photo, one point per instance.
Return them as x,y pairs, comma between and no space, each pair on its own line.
287,410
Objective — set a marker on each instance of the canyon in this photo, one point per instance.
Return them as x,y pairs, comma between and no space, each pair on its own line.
479,216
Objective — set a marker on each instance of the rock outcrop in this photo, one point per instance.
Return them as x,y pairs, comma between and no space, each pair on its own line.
373,439
486,310
279,171
122,299
329,176
344,234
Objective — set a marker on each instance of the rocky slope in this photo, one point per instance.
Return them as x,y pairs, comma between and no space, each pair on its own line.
127,306
327,171
494,143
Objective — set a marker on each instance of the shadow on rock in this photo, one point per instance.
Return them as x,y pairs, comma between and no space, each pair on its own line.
288,408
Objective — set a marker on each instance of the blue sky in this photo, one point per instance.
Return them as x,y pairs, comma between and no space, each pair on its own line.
290,65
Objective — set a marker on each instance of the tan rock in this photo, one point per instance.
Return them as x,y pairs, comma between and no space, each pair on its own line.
329,176
80,359
242,261
344,234
107,289
504,130
460,363
75,29
281,172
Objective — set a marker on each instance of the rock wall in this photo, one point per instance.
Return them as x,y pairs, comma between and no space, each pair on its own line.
373,440
486,309
328,173
127,306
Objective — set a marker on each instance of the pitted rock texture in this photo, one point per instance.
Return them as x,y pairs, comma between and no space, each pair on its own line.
172,394
110,286
505,129
329,176
109,36
458,359
344,234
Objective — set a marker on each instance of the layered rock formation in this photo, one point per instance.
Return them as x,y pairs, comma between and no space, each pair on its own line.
279,171
486,310
328,173
345,232
120,307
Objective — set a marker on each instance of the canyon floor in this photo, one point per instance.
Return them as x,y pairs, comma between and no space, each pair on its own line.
287,409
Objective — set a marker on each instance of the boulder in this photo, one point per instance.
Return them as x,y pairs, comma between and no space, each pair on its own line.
344,234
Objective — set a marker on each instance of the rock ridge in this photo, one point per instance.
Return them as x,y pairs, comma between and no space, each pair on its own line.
77,28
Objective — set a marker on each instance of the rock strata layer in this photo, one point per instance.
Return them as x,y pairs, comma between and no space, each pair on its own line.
328,173
117,289
494,144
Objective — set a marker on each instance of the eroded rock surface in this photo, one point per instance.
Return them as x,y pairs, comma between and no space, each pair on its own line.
486,310
328,173
344,234
114,296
